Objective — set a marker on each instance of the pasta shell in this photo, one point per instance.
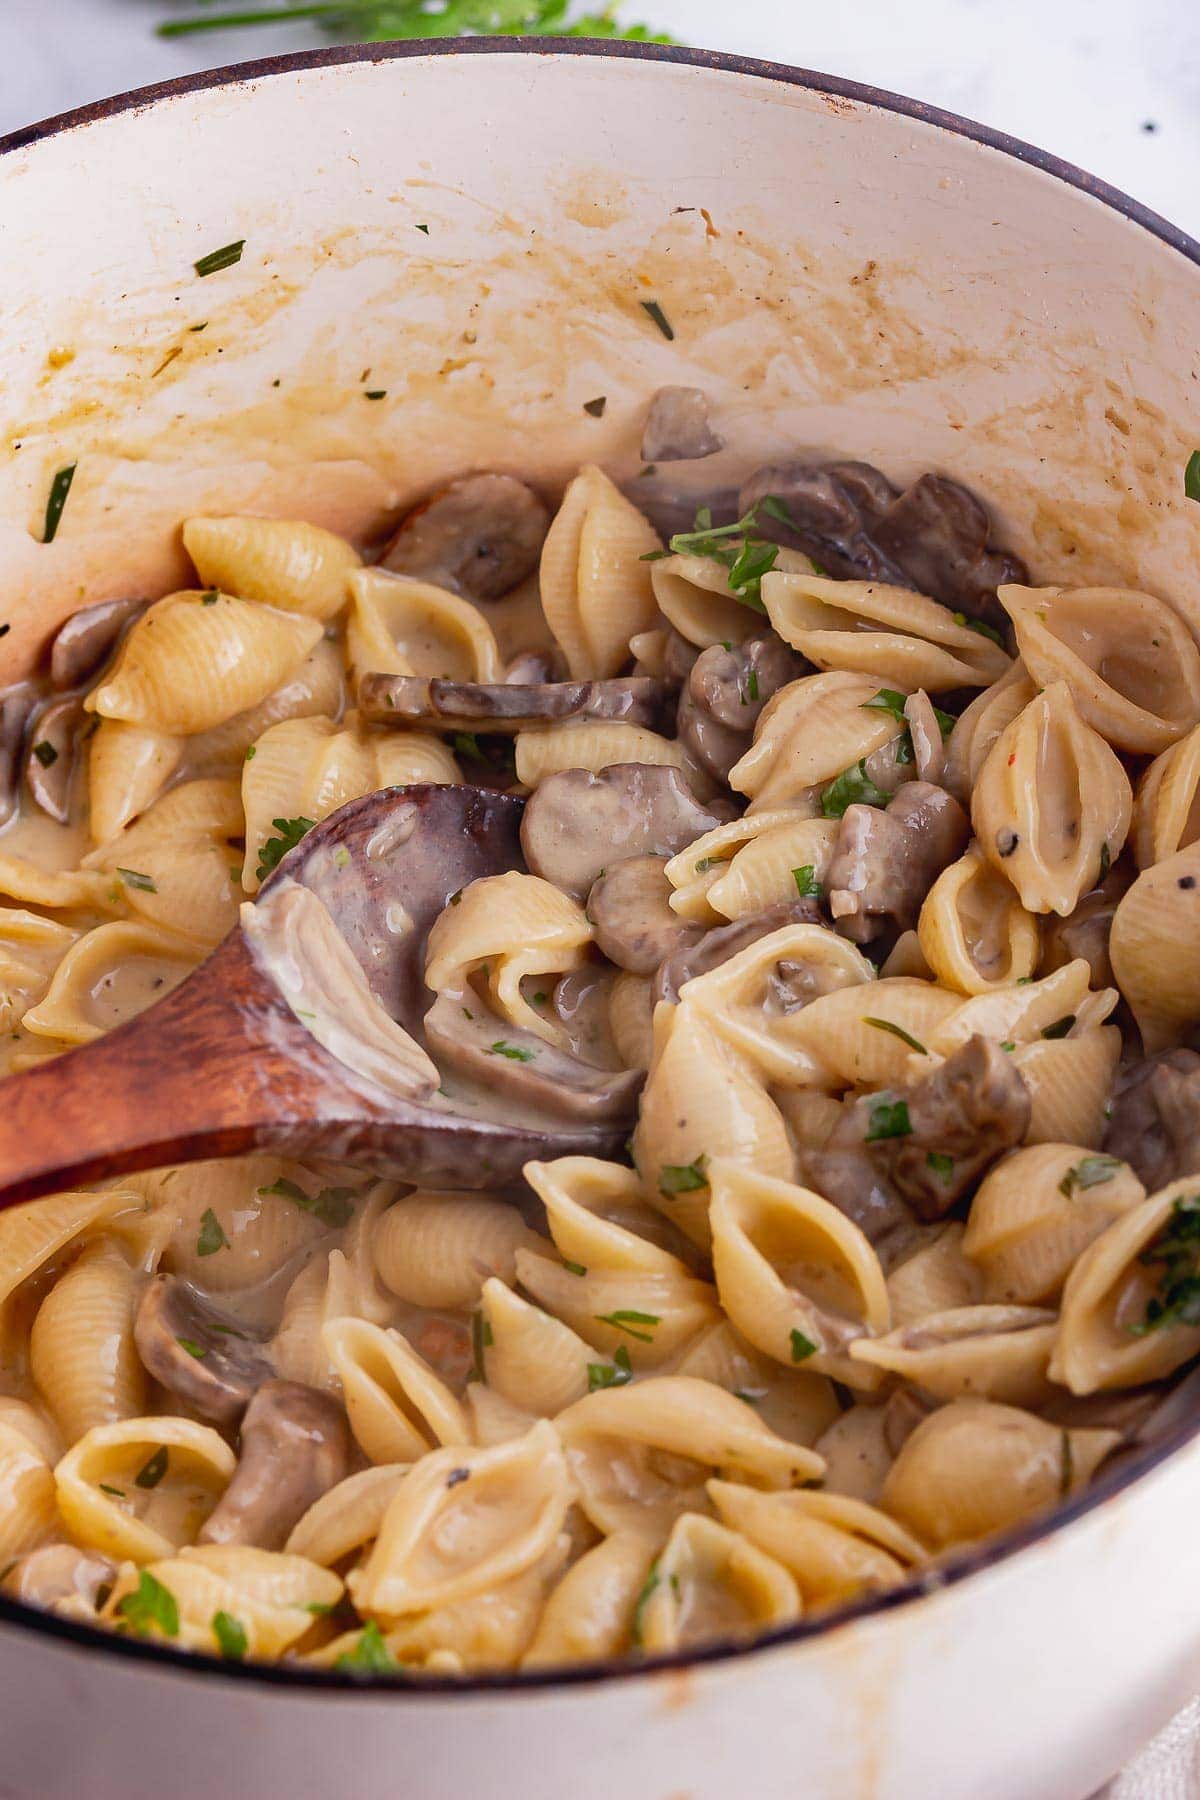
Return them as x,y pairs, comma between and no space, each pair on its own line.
1070,1083
631,1019
465,1522
111,974
545,750
272,1597
771,867
980,724
33,1235
397,1406
974,1468
589,1615
1166,812
694,594
262,1234
530,1358
810,732
31,948
488,1631
181,856
31,1422
193,661
106,1508
81,1350
834,1546
649,1315
698,868
999,1352
864,1034
128,767
1127,1312
348,1517
597,1216
595,586
1128,658
1052,802
28,1513
55,889
282,562
403,627
1037,1211
795,1405
1155,950
795,1276
888,632
495,1420
973,931
857,1452
937,1278
1060,1002
712,1585
316,690
506,929
437,1250
640,1454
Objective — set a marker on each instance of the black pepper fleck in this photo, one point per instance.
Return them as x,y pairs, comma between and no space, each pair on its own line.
457,1476
1187,881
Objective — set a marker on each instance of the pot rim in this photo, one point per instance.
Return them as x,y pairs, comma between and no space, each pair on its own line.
417,1686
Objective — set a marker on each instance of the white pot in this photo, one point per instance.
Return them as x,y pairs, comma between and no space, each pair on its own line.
872,280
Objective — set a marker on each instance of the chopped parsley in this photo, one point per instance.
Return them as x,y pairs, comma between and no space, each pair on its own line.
888,1119
481,1339
745,558
290,831
807,885
341,858
977,625
643,1600
750,691
135,879
513,1052
655,312
853,787
1177,1249
596,407
152,1472
941,1164
889,700
211,598
216,260
1191,476
683,1178
574,1268
60,487
230,1634
905,1037
192,1348
375,394
1105,860
212,1234
631,1322
1060,1027
466,744
370,1655
251,753
709,862
46,754
116,1492
802,1347
1091,1172
150,1605
608,1375
332,1206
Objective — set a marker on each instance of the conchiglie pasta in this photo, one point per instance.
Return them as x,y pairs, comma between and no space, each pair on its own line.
531,1358
181,856
503,930
701,865
590,1614
272,1597
694,595
1166,812
855,1032
403,627
980,724
81,1350
973,931
438,1250
106,1508
808,733
111,974
937,1277
1052,804
397,1406
1128,659
712,1585
128,768
348,1516
998,1352
284,563
316,690
194,660
33,1235
647,1314
834,1546
793,1403
1155,948
31,948
255,1231
1037,1211
545,750
28,1511
770,868
57,889
631,1019
1070,1084
595,584
888,632
485,1631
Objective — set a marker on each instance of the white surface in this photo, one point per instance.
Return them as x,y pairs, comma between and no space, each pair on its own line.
1080,77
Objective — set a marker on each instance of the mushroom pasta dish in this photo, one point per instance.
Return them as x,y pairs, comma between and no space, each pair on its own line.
844,933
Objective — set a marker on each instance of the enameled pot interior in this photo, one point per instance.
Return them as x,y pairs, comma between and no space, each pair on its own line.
842,271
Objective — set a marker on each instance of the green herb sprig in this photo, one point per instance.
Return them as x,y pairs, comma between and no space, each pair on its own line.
373,21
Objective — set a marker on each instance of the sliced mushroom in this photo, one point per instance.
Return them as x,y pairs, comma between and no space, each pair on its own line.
725,692
50,759
58,1572
480,535
849,517
1155,1123
635,925
846,1176
533,668
577,823
517,1067
507,706
933,1140
884,863
198,1353
16,707
85,642
678,428
717,946
671,511
295,1445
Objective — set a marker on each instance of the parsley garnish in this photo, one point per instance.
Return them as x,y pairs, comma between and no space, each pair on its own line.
375,394
1105,860
211,598
370,1656
889,1119
192,1348
807,885
45,752
332,1206
643,1600
512,1051
134,879
977,625
596,407
230,1634
151,1604
276,848
888,700
574,1268
750,692
482,1338
683,1178
1191,476
152,1472
224,258
466,744
660,318
1178,1250
802,1347
60,487
614,1374
941,1164
1060,1027
1090,1172
905,1037
746,561
117,1493
629,1321
853,787
212,1234
373,20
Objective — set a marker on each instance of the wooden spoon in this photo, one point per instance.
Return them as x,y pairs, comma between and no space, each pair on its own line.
228,1062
